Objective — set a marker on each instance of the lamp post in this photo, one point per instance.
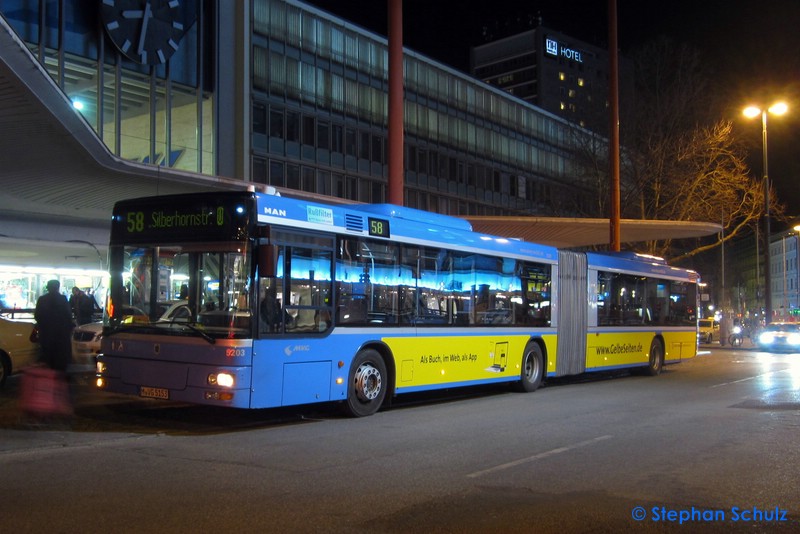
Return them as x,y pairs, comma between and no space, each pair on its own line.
779,108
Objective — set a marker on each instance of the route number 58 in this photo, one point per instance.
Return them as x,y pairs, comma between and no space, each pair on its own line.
135,221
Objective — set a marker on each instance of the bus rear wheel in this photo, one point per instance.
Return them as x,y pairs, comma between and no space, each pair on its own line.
656,361
532,368
368,382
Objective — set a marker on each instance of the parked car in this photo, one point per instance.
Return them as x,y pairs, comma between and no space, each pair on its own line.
86,338
85,346
709,330
16,349
174,310
780,337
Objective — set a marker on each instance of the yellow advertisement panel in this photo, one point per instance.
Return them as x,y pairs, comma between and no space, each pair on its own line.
619,349
439,360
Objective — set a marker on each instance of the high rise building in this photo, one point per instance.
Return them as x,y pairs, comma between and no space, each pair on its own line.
552,71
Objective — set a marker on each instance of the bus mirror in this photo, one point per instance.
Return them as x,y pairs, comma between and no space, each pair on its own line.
267,256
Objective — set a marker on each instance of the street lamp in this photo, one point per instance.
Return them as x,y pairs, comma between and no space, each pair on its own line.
779,108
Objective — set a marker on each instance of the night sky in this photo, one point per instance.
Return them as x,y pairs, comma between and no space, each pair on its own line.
750,47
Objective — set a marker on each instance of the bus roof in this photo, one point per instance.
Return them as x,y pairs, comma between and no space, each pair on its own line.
641,263
395,223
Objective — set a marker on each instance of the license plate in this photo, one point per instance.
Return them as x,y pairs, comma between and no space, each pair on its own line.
154,393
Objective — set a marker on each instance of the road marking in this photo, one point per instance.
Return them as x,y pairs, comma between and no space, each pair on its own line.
747,379
539,456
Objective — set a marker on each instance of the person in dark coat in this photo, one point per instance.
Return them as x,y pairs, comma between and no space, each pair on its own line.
54,318
82,306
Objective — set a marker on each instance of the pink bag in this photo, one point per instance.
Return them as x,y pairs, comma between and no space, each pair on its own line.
44,392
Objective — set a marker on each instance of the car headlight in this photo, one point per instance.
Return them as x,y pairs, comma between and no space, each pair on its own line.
766,338
793,339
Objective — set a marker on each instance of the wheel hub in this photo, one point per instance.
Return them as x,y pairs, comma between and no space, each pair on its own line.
368,382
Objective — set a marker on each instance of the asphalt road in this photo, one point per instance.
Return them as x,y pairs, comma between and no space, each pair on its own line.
708,446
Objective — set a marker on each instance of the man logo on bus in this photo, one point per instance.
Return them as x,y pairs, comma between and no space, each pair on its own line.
275,212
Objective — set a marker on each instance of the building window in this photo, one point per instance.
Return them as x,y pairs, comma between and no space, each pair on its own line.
323,140
293,126
259,171
350,142
363,145
293,177
259,118
308,130
276,173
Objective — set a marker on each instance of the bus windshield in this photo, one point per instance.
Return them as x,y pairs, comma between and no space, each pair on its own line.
184,289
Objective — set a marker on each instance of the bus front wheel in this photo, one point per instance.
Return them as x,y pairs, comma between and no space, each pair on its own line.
532,368
368,382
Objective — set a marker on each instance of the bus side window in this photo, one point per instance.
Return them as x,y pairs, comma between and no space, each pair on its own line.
270,309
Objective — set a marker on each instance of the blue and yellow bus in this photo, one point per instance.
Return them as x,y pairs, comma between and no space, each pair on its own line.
278,301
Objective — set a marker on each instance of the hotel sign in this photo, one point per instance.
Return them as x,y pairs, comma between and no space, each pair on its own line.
554,48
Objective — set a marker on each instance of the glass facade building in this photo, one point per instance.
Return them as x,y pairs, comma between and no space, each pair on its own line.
319,94
277,92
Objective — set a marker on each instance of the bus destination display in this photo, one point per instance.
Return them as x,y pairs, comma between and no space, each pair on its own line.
378,227
181,221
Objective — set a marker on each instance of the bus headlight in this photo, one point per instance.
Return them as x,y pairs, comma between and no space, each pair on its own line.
221,379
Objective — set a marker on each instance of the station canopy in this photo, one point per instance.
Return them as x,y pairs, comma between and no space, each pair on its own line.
567,232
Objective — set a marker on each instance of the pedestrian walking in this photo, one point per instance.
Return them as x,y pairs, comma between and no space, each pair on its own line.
54,318
44,391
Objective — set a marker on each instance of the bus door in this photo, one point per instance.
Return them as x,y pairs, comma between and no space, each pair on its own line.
294,288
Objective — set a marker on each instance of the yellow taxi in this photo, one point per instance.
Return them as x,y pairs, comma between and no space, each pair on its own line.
16,349
708,330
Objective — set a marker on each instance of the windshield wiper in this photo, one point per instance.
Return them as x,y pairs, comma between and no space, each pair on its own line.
205,336
118,328
130,327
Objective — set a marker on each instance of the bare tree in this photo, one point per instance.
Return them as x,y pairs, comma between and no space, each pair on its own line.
704,177
680,162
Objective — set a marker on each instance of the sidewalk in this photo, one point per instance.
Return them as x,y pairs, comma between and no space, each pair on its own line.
20,432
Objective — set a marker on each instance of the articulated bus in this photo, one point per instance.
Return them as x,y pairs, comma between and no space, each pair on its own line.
277,301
